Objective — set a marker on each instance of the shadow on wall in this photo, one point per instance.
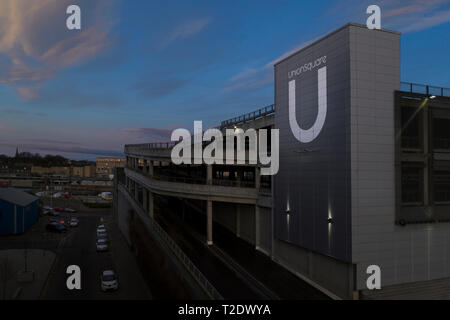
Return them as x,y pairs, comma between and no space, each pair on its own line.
163,282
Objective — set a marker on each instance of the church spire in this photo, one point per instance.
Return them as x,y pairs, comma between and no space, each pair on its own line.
17,151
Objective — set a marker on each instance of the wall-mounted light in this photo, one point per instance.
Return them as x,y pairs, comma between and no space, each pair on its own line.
433,97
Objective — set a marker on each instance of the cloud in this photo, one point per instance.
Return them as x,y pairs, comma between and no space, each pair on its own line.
155,87
38,45
155,133
4,129
254,78
184,31
23,112
62,149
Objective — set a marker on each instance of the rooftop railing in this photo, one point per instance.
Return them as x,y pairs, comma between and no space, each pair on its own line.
152,146
250,116
424,89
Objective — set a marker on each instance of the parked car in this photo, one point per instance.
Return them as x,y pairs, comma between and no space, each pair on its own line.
52,213
102,245
55,227
74,222
47,208
109,280
70,210
58,209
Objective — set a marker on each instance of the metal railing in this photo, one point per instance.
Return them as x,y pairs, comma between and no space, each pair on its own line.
201,181
176,250
151,146
233,183
249,116
424,89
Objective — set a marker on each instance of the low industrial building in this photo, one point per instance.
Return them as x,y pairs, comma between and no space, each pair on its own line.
364,174
18,211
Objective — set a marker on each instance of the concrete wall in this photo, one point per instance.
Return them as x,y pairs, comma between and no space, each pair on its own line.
265,230
333,275
224,213
124,216
405,254
313,183
247,223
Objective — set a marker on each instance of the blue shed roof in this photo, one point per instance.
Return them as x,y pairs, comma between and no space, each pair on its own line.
17,197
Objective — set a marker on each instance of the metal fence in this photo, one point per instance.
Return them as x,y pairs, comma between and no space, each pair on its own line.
249,116
424,89
176,250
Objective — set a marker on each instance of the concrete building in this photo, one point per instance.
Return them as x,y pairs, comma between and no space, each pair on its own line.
364,173
105,165
18,211
68,171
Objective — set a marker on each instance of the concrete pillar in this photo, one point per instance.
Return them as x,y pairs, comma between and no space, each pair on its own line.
257,177
209,175
426,150
136,191
151,205
238,220
209,223
257,227
150,168
145,199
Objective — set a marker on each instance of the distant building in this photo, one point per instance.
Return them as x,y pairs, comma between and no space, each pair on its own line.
106,165
83,171
18,211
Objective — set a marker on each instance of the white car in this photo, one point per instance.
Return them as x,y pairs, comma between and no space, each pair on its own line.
70,210
73,222
102,245
109,280
102,233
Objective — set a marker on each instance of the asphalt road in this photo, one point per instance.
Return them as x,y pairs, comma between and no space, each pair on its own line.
78,248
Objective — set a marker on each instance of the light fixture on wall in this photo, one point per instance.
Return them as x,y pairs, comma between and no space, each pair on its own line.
433,97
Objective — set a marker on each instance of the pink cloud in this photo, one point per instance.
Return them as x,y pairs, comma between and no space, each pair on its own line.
38,46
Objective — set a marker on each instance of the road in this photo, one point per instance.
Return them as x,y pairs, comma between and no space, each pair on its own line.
78,248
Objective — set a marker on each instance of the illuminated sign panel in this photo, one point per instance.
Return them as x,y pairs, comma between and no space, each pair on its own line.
312,198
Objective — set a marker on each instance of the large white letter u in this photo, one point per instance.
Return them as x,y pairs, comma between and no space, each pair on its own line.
310,134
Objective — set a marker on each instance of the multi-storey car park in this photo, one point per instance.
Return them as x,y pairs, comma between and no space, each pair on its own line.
364,180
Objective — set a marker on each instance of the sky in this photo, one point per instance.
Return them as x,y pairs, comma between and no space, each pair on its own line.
139,69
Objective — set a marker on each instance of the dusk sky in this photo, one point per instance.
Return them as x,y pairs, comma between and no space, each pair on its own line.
139,69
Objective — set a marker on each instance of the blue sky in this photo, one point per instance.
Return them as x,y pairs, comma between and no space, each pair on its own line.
139,69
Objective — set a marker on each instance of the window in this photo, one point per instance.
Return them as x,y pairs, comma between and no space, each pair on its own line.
412,183
441,133
441,185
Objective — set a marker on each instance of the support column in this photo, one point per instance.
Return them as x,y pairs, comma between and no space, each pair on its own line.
209,174
151,205
257,228
257,177
426,150
145,199
136,191
150,168
238,220
209,223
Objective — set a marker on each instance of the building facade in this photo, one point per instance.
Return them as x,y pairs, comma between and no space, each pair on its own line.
18,211
105,165
364,173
